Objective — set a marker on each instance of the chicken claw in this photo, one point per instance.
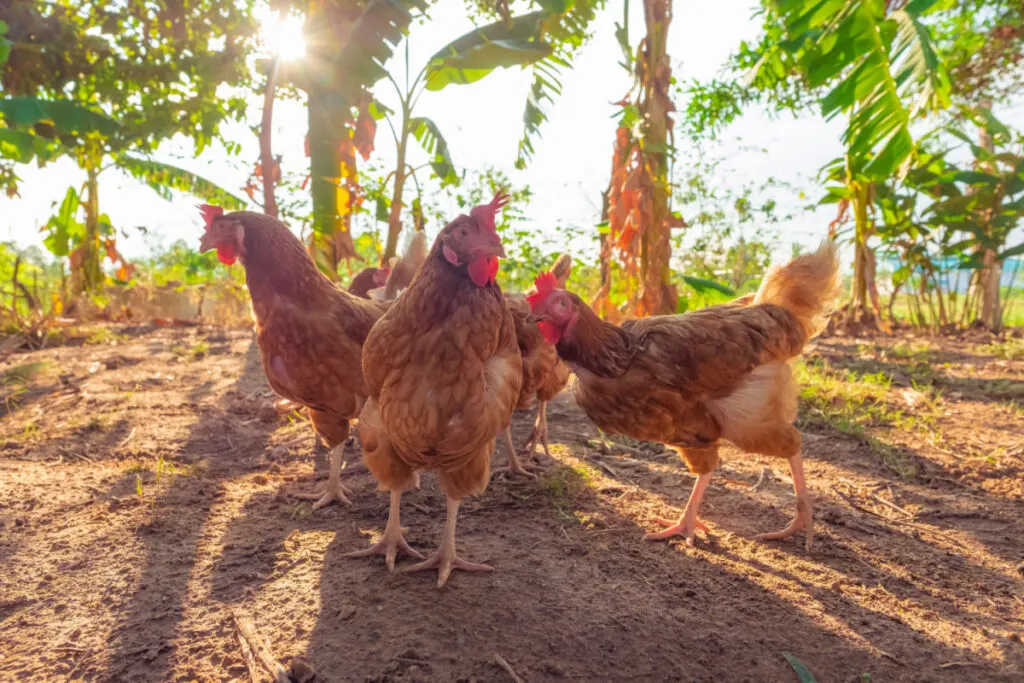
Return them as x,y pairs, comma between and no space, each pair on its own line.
337,491
393,541
804,518
682,527
689,523
445,559
515,466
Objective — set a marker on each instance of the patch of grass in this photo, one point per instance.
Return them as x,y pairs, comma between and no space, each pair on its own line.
197,352
1008,349
918,350
856,404
31,430
564,484
100,336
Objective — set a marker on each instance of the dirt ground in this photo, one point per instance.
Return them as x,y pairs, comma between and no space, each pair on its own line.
144,499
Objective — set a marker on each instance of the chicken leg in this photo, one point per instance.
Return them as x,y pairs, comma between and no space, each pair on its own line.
539,433
514,466
445,559
335,489
688,523
804,518
393,540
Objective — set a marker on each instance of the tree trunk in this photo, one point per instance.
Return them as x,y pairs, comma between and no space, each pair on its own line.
266,149
324,162
91,275
659,296
992,271
395,214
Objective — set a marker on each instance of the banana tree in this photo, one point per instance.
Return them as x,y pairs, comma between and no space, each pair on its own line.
516,41
984,203
874,62
640,220
159,67
43,130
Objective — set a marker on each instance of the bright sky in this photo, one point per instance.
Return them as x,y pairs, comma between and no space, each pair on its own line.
483,123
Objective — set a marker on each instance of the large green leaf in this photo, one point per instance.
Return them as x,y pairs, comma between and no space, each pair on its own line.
65,115
703,286
163,178
879,69
546,86
23,147
429,136
63,230
513,42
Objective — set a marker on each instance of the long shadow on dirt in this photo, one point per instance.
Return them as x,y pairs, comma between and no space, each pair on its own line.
147,641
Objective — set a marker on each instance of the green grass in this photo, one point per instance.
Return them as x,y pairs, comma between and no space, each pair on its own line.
197,352
865,406
1008,349
100,336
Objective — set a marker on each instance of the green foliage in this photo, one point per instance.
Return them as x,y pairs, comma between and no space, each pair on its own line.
864,62
429,136
59,116
162,178
506,43
64,231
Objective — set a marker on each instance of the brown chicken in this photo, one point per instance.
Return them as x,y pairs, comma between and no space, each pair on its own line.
403,270
544,374
310,333
689,381
367,279
444,374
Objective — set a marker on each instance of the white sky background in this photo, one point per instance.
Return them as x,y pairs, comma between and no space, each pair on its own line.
482,123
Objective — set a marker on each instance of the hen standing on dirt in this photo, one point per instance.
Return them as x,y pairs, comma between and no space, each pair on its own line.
444,373
310,333
690,380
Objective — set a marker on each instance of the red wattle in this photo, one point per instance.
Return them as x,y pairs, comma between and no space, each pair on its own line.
482,270
551,333
227,255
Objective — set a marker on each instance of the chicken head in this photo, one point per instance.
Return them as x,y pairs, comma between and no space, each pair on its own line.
472,241
554,310
222,233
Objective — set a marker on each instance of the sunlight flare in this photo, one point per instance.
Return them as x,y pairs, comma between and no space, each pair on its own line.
283,36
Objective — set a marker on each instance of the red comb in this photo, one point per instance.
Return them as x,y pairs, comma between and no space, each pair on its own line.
485,213
210,212
544,284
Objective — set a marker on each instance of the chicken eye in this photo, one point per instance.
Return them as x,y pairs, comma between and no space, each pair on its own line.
464,232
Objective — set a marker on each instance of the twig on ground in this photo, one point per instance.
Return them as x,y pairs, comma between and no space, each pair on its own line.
250,660
913,525
260,648
507,667
894,506
766,472
127,438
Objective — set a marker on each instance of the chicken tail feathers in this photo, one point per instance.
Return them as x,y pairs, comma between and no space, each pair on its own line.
809,287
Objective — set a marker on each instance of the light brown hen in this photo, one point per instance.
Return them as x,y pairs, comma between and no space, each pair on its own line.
689,381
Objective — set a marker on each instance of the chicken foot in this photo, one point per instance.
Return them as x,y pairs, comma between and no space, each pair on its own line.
515,466
445,559
688,523
539,433
335,489
804,518
393,540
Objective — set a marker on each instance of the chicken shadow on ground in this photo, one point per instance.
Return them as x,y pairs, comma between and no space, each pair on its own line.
576,595
148,642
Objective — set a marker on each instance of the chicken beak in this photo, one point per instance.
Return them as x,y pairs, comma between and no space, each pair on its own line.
204,243
532,319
